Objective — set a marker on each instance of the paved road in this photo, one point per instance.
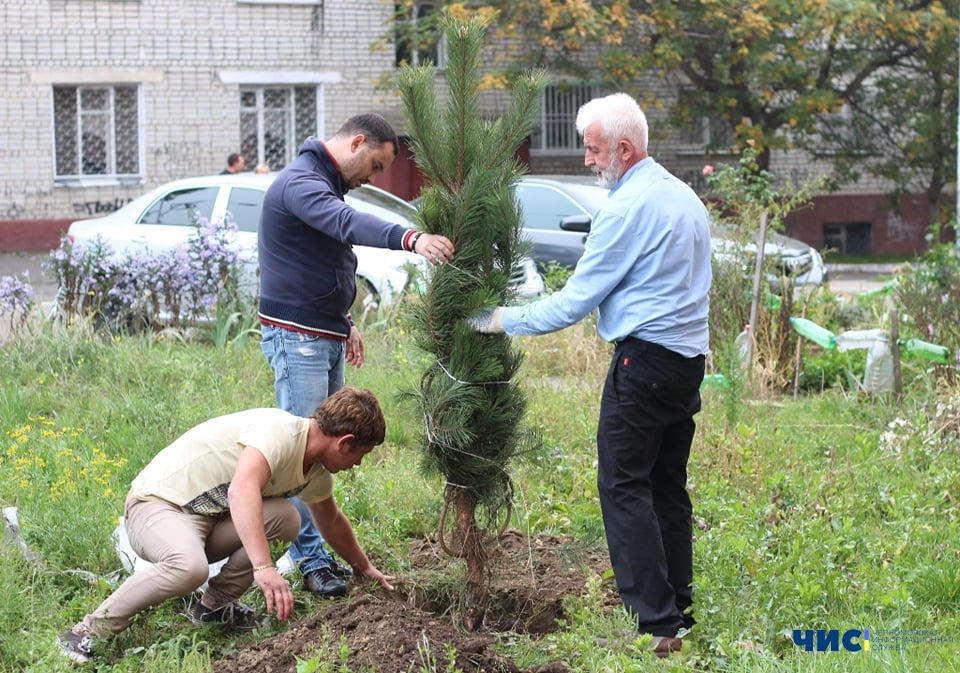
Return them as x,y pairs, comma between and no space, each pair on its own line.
15,263
850,281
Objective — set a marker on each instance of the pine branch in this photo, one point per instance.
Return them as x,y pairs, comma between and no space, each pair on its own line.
471,405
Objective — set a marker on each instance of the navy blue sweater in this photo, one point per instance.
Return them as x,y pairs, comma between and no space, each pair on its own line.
305,244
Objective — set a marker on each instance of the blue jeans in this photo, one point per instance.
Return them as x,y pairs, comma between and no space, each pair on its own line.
306,369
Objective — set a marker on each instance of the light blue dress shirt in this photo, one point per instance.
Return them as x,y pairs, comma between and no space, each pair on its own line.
645,267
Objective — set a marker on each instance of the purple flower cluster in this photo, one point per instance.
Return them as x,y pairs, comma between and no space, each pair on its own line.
16,299
189,282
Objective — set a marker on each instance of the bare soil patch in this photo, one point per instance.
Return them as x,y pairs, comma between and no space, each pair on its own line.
529,579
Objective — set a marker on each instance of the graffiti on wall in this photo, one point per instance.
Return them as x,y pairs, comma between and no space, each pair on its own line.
899,229
98,207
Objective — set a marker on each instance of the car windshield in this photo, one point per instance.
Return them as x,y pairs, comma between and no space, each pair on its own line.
384,200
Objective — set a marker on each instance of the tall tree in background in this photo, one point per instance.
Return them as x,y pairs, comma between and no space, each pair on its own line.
771,69
902,125
472,406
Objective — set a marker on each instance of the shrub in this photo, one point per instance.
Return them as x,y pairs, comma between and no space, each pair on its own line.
743,196
556,275
16,299
928,295
199,281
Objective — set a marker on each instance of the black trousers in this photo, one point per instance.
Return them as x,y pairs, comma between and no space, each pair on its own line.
644,435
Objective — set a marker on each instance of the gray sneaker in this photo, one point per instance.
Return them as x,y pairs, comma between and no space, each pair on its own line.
236,615
78,648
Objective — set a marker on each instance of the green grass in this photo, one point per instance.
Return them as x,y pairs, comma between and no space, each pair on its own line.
835,511
837,258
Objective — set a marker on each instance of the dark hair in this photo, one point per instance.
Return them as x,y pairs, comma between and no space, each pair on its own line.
352,411
374,128
233,158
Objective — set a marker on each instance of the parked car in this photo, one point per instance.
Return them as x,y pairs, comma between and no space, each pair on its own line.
557,211
164,218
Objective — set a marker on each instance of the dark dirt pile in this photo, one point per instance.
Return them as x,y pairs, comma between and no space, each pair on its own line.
529,578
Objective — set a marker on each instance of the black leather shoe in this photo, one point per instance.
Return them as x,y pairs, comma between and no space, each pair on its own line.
342,571
324,583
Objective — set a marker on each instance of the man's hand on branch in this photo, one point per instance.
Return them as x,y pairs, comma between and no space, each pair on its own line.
437,249
487,321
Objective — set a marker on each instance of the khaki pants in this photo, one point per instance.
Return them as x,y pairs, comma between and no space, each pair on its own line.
181,546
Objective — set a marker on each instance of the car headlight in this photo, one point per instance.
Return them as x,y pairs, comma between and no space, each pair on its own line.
797,264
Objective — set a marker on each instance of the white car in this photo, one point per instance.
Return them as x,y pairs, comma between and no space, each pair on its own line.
163,218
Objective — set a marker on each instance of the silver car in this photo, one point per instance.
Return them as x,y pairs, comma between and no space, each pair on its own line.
557,211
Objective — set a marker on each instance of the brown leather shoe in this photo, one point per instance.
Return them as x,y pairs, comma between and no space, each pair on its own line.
661,646
664,645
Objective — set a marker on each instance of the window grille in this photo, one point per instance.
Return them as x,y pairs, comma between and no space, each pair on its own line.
97,131
274,122
558,116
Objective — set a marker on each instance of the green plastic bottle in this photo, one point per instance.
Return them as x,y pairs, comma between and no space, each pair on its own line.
819,335
927,351
715,380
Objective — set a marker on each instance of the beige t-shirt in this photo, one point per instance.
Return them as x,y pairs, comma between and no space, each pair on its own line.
195,470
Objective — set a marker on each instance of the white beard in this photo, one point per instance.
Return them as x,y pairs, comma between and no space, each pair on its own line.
610,176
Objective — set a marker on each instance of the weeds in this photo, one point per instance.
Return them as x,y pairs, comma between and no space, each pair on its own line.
831,511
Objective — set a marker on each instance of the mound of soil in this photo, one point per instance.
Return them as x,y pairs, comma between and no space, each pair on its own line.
529,578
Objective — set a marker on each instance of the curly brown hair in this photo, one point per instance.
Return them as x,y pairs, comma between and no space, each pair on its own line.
352,411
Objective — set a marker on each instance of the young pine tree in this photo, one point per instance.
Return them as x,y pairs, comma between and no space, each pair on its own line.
472,406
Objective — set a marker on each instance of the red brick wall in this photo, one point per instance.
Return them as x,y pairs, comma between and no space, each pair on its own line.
893,232
31,235
405,180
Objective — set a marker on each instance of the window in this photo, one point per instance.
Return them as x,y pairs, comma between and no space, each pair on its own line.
182,208
557,129
849,134
416,35
245,205
274,122
847,238
97,131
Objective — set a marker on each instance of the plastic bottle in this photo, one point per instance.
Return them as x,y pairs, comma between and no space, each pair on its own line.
744,345
819,335
772,302
715,380
879,373
927,351
858,338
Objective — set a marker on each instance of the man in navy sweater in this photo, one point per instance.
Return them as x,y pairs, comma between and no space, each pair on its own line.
308,282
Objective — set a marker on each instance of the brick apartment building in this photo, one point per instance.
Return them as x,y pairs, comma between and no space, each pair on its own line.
105,99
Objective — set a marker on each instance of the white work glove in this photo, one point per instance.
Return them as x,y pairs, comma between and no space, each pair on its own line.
487,321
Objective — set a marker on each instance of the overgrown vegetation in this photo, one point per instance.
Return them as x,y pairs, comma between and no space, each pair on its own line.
928,296
834,510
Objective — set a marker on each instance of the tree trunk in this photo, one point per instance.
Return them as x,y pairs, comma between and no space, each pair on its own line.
475,555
